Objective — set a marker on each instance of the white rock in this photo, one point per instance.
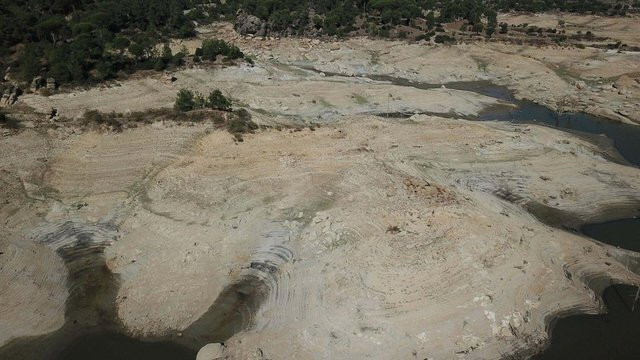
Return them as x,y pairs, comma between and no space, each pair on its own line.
211,351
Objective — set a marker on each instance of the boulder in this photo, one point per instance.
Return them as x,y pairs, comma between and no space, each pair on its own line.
10,96
7,74
249,24
5,97
51,83
263,30
36,83
169,78
212,351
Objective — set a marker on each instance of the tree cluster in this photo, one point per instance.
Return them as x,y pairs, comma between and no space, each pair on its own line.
211,48
187,100
338,17
82,40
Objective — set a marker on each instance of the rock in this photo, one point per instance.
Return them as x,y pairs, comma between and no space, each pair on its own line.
211,351
249,24
10,96
169,78
51,83
624,82
263,30
7,74
5,98
36,83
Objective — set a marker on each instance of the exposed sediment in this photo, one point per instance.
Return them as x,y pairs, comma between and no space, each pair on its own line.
444,237
368,232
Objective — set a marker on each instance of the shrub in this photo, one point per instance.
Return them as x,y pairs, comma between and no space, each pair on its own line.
185,100
97,117
211,48
443,39
218,101
241,123
94,116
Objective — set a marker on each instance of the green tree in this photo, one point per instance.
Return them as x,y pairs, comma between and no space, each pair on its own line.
185,100
52,28
504,28
211,48
430,19
218,101
105,69
492,22
120,43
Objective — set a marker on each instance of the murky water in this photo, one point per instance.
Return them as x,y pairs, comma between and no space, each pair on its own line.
623,233
614,335
107,345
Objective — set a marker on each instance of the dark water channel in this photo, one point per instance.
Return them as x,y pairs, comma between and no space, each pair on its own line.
625,137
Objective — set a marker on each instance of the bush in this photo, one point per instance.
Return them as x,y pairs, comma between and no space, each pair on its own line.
241,123
444,39
97,117
185,100
218,101
211,48
94,116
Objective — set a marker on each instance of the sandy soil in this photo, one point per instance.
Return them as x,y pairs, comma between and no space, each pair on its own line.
389,238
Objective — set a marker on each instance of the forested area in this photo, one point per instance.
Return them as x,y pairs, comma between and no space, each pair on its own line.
338,17
82,41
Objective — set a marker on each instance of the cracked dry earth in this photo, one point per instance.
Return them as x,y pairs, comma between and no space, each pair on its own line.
371,237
